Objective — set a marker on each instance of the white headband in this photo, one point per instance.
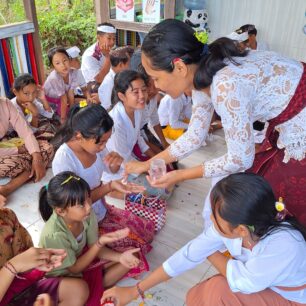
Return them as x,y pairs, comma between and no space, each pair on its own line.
239,37
106,29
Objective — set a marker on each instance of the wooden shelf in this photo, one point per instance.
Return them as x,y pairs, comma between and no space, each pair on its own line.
103,15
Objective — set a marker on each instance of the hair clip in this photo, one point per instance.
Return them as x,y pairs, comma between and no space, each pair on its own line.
69,179
201,36
83,103
282,212
46,186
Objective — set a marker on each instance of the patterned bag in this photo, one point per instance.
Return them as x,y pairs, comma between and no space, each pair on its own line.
150,208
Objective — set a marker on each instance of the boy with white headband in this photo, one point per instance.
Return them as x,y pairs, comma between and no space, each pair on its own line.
95,60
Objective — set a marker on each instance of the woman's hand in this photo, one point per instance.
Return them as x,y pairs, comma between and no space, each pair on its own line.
129,260
135,166
120,296
114,236
41,259
38,167
166,181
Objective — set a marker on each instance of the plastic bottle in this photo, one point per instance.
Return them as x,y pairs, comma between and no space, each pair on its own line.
195,4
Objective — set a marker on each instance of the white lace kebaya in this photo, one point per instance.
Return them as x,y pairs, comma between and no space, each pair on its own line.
260,88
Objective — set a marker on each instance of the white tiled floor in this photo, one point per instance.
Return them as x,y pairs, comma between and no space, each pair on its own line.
184,222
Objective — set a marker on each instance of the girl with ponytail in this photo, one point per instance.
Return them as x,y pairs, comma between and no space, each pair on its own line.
267,246
241,87
65,205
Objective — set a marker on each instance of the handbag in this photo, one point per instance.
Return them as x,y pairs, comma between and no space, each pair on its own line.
150,208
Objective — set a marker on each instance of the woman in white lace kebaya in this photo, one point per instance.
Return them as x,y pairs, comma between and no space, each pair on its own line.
241,88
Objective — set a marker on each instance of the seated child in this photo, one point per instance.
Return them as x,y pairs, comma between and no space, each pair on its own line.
83,151
130,96
21,158
23,267
61,82
150,117
267,245
65,205
31,103
80,93
174,115
120,60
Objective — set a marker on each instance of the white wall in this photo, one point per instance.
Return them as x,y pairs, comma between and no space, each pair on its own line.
279,22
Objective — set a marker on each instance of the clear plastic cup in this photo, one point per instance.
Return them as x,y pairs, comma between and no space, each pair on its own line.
157,169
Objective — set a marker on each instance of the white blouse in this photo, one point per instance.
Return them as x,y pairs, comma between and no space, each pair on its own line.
125,135
66,160
174,111
259,89
150,114
106,88
277,260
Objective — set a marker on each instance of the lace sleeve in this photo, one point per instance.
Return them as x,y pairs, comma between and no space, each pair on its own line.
231,98
193,138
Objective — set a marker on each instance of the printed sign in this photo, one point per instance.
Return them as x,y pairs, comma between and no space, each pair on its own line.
125,10
151,11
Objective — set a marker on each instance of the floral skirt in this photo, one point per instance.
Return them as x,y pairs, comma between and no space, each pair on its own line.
140,236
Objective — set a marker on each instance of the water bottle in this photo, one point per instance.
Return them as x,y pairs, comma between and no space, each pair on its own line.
195,4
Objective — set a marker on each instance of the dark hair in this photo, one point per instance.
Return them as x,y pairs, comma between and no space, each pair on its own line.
250,28
120,55
55,50
62,192
23,80
172,39
92,121
248,199
123,81
141,70
104,24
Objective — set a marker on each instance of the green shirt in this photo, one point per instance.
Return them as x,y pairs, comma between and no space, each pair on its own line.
56,235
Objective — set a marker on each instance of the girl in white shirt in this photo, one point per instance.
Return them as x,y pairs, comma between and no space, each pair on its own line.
32,104
83,140
130,96
268,248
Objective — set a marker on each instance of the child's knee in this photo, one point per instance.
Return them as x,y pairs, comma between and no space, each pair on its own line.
73,290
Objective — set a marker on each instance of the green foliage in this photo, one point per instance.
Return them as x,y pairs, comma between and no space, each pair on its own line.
11,11
66,24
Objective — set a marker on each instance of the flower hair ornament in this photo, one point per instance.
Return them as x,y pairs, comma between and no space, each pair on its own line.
202,37
83,103
282,212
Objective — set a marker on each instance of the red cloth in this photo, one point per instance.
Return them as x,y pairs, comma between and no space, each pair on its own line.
32,57
7,61
19,285
288,180
94,278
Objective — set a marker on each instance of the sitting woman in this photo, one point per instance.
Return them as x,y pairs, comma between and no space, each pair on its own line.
31,103
20,158
22,269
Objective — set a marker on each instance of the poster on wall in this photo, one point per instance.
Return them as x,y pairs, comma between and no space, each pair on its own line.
151,11
125,10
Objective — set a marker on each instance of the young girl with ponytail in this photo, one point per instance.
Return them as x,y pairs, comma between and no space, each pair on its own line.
267,245
65,206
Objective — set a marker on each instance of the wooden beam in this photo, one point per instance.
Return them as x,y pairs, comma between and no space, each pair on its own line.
19,28
131,26
169,9
30,10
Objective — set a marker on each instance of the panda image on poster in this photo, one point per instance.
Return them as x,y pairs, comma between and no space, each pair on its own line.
197,19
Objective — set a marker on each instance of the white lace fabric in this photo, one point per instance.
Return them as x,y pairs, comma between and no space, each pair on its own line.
258,89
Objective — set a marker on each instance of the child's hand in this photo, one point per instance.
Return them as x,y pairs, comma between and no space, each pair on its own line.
40,93
129,260
2,200
32,108
41,259
113,160
127,187
114,236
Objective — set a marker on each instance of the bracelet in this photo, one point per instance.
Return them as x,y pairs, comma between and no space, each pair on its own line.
99,244
9,266
140,292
